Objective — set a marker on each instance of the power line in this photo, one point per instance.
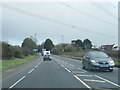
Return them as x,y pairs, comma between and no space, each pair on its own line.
54,21
87,14
104,10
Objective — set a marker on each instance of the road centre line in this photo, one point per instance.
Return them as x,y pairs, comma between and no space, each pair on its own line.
93,80
67,70
82,82
61,65
30,71
36,66
107,81
39,62
71,65
17,82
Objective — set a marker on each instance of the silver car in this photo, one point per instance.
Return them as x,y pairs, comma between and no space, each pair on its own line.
95,60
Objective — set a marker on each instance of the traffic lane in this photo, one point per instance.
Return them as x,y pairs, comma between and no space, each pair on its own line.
78,63
49,74
12,75
111,76
105,74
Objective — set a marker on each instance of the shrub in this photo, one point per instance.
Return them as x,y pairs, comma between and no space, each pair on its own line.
7,52
17,52
70,48
56,51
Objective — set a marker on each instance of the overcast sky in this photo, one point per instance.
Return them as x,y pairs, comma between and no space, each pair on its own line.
96,21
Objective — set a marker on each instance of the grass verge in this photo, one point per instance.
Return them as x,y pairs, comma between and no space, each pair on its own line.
77,58
5,65
117,64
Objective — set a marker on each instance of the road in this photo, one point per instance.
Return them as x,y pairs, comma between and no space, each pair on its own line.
61,72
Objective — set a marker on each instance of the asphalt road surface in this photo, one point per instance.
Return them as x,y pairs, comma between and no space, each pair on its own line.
60,72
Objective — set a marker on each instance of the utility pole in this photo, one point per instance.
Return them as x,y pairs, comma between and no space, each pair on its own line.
62,39
35,39
62,43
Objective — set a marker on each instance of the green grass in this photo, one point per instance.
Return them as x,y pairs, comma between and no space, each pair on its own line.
13,63
117,64
78,58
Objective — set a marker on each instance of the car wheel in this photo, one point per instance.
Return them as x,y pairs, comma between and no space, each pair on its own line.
89,67
83,66
110,70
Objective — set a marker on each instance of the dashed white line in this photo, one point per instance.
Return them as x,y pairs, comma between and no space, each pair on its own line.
36,66
39,63
61,65
82,82
94,80
17,82
71,65
107,81
67,70
30,71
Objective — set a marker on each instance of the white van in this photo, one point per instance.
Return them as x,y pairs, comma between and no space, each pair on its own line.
46,55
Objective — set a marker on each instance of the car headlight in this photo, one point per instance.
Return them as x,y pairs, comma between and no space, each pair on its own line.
111,62
93,61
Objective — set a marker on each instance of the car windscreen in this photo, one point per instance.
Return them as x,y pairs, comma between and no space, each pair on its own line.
98,55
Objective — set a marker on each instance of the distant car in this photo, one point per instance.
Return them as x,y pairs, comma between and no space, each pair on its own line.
46,55
97,60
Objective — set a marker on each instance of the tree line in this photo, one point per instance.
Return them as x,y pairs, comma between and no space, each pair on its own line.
75,45
28,46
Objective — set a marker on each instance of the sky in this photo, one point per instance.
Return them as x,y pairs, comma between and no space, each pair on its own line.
60,21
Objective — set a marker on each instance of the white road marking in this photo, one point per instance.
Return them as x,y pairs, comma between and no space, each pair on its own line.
61,65
30,71
71,65
82,69
17,82
83,75
77,72
39,63
107,81
93,80
67,70
82,82
36,66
